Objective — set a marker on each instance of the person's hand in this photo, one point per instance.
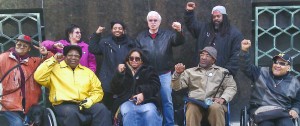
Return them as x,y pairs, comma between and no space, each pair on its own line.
139,98
293,113
42,49
100,29
190,6
176,26
245,45
219,100
59,57
121,68
58,45
179,68
86,103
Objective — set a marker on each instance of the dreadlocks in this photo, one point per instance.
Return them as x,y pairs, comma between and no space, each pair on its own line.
223,28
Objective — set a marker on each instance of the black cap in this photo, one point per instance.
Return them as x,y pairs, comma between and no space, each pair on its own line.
72,47
283,56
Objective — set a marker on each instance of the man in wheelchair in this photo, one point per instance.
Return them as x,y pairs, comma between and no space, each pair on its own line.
205,82
75,91
18,90
275,98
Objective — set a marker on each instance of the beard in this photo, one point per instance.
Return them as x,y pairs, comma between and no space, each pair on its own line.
217,26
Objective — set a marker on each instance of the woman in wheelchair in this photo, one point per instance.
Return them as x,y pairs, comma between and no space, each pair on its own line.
275,98
137,86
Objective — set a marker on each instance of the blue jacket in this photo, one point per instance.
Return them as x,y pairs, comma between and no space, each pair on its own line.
113,51
227,46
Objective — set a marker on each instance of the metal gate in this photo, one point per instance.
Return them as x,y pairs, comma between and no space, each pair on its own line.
277,30
14,24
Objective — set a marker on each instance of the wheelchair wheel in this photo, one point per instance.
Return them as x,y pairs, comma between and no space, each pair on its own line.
51,117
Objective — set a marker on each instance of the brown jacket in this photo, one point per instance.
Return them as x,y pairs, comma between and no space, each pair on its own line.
11,85
203,83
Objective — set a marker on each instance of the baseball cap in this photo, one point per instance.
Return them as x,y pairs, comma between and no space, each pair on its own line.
284,57
24,38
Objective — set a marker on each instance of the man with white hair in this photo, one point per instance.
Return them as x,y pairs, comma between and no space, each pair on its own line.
157,44
218,33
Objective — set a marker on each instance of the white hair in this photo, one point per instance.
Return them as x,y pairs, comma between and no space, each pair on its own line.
153,13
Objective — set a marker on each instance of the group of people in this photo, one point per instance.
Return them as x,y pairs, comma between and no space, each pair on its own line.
135,79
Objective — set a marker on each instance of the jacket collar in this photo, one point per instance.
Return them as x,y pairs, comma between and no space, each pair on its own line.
63,64
23,61
201,68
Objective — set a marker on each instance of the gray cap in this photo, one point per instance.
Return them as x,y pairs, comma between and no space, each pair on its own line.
221,9
24,38
211,51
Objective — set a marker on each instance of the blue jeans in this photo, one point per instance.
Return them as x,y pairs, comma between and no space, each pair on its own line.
140,115
13,118
166,97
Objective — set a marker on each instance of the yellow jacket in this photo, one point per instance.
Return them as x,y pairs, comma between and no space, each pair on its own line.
66,84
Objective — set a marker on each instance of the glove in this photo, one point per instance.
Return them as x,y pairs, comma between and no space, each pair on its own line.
86,103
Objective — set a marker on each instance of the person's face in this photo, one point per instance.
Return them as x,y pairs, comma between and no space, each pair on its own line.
206,60
217,18
72,58
280,67
22,48
117,30
153,22
135,60
75,35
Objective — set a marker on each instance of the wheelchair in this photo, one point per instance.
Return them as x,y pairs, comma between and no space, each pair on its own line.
205,123
247,120
51,114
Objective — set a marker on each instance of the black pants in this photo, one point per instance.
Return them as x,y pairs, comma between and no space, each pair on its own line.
286,121
68,114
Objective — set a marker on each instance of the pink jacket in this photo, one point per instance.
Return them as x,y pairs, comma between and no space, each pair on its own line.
88,59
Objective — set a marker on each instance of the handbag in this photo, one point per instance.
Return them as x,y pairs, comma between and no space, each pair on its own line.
269,112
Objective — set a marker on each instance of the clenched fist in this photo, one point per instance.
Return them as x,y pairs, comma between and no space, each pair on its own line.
245,45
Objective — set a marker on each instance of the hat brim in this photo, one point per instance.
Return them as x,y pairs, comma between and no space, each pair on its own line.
24,41
276,57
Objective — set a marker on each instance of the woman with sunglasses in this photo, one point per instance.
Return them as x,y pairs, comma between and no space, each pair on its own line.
137,86
73,37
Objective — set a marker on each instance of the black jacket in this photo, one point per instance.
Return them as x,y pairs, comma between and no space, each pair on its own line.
145,81
227,46
281,91
159,50
113,51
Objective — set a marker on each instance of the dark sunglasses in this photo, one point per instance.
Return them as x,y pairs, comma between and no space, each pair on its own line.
152,20
137,59
281,63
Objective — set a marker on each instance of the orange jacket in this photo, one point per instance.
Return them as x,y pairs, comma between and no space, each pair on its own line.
12,82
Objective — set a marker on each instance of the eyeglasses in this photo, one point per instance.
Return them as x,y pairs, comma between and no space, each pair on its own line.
77,32
19,45
152,20
137,59
76,56
280,63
